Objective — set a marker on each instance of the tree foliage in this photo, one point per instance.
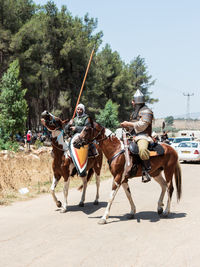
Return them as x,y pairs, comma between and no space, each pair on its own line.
13,106
108,117
169,120
53,48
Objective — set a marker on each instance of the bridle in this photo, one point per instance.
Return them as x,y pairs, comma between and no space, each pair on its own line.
51,122
99,133
95,138
57,127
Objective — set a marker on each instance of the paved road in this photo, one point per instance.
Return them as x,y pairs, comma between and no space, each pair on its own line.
34,233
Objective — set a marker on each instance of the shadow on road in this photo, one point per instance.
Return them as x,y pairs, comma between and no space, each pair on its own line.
152,216
88,208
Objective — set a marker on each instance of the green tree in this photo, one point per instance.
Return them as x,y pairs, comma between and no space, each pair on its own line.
108,116
169,120
13,106
13,15
53,49
140,79
53,57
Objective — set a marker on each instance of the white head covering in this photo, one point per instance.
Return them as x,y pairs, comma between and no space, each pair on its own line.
82,107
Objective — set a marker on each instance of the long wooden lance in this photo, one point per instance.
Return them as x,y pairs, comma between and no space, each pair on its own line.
88,66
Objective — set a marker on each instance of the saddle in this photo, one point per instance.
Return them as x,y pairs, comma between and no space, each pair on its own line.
154,148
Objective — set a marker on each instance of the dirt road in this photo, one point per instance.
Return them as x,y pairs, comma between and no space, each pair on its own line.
34,233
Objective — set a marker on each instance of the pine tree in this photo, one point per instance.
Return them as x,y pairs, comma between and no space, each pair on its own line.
108,116
13,106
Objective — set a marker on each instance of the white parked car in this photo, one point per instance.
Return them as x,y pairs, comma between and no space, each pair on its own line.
177,140
189,151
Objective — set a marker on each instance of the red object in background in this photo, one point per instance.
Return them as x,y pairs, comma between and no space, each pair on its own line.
28,137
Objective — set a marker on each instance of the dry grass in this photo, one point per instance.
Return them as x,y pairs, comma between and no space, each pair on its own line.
31,170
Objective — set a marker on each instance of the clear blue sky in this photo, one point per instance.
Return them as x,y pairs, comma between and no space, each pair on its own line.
165,33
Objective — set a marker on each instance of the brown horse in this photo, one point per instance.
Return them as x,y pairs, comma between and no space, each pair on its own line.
114,152
62,162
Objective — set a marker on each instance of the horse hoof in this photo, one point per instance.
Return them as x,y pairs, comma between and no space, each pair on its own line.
160,211
58,204
102,221
165,214
96,202
63,211
130,216
81,204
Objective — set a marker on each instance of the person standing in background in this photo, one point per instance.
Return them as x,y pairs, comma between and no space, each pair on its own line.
28,140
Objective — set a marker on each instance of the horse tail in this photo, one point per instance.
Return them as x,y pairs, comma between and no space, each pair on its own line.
178,180
89,176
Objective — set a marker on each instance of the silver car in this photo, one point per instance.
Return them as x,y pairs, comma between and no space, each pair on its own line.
189,151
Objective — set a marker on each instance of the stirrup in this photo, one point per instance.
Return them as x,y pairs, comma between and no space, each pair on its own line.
146,177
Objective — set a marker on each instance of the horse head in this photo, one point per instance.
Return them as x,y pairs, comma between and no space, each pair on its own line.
51,122
89,134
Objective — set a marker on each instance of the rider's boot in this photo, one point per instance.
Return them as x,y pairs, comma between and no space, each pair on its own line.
146,167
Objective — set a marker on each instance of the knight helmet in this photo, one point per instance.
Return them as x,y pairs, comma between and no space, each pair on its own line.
138,97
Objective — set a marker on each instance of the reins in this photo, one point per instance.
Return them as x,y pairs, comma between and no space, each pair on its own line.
58,128
99,133
104,138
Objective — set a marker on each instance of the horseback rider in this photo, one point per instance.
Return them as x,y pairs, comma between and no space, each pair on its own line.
81,120
77,124
164,137
140,127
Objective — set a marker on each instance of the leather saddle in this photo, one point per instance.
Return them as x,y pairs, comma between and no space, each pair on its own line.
154,148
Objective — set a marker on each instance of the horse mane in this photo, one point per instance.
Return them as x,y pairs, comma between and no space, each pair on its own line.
112,136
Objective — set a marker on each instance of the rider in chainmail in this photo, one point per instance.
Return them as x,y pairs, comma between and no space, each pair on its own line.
140,127
77,124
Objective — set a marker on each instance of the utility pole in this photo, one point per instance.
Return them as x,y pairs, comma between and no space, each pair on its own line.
188,109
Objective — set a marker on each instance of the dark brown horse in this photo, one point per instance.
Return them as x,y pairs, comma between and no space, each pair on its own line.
62,162
113,150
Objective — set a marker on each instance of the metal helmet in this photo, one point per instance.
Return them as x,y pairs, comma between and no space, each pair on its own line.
138,97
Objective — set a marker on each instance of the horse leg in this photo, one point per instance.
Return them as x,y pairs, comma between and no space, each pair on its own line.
170,190
128,194
65,192
53,187
84,180
113,193
96,202
169,171
159,179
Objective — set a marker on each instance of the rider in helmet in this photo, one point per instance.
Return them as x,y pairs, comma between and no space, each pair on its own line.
140,126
